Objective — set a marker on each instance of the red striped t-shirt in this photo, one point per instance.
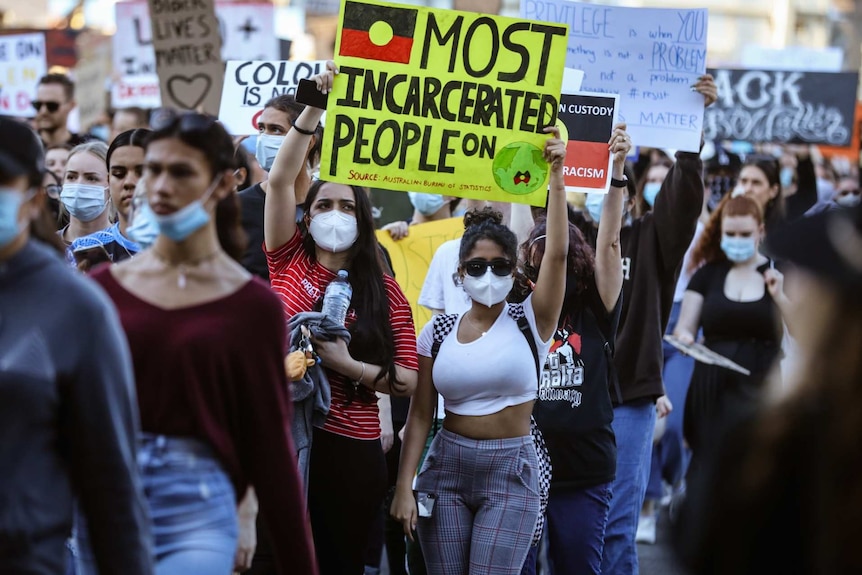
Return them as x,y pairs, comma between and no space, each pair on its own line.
300,281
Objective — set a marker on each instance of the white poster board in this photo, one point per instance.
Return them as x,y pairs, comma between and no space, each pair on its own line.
22,63
248,85
649,56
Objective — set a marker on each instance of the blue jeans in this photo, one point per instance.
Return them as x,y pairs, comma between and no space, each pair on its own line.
633,426
192,508
670,457
577,518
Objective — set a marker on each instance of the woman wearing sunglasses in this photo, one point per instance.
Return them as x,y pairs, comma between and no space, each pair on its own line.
85,191
125,163
347,470
478,488
207,345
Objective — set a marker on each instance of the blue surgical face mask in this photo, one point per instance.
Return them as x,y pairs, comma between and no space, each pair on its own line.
184,222
84,202
651,190
10,203
266,149
143,228
786,176
426,204
594,205
738,250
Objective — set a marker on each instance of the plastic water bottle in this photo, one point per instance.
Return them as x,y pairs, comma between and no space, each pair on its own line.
336,299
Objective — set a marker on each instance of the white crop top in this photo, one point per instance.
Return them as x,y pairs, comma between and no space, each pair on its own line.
489,374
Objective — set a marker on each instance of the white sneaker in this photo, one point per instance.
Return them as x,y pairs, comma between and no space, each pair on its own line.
646,529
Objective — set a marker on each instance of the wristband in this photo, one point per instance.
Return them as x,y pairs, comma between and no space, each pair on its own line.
302,131
615,183
358,382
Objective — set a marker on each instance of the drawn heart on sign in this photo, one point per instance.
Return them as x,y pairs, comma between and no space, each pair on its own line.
189,92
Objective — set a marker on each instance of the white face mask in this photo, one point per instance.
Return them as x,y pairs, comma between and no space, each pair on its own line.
849,200
266,149
488,289
84,202
333,231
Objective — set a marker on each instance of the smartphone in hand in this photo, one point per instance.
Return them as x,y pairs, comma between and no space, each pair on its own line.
308,94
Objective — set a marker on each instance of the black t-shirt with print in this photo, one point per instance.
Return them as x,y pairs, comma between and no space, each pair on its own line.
574,410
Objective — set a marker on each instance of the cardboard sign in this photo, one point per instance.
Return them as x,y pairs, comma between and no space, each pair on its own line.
22,63
649,56
589,120
412,255
783,107
248,85
188,53
91,77
442,101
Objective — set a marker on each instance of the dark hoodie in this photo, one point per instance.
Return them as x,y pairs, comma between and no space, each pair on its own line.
653,247
68,420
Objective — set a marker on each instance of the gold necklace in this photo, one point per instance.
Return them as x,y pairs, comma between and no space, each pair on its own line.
183,266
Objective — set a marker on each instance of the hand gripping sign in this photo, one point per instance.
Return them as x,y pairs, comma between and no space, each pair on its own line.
443,101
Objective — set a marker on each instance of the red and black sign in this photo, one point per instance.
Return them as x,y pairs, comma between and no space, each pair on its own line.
589,120
356,32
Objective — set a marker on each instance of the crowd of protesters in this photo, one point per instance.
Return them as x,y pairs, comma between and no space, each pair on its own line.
173,400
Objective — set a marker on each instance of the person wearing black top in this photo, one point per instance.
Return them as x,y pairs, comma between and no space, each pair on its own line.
277,119
68,415
574,410
733,297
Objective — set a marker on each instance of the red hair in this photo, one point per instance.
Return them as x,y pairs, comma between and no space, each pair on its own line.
708,248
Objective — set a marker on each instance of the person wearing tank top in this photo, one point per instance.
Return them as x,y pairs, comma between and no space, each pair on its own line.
737,297
477,492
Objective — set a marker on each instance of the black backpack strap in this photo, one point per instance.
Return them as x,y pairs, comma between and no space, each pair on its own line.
516,312
443,325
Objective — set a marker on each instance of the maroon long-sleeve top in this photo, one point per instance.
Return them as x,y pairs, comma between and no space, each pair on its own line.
215,372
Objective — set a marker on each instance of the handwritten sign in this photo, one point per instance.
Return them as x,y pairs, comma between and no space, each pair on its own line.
246,30
649,56
138,91
588,119
249,85
188,53
783,107
22,63
443,101
412,255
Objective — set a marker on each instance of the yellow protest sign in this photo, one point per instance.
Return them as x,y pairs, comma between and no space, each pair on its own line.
412,255
442,101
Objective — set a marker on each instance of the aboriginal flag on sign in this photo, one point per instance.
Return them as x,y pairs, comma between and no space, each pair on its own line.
377,32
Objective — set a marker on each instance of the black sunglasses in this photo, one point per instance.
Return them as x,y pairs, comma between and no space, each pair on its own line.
52,106
168,119
499,267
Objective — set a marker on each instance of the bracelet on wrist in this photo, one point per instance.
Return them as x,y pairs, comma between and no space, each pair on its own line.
357,382
302,131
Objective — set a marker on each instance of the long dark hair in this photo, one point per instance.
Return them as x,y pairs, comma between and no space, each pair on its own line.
137,137
580,265
371,338
209,137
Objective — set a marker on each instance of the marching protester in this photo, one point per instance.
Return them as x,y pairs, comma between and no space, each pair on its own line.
653,247
760,179
68,418
207,342
85,191
426,208
782,493
487,373
574,410
347,481
55,99
737,298
125,162
278,117
127,119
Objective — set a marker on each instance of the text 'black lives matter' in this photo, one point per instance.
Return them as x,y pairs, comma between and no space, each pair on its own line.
378,32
